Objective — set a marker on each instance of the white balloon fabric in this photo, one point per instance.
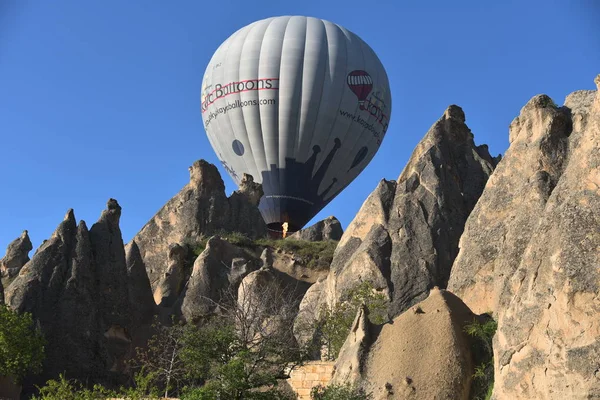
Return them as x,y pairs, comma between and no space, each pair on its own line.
299,103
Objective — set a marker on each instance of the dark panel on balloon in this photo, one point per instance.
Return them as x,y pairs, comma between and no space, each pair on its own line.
301,200
238,147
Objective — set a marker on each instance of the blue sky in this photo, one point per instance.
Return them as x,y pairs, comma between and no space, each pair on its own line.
100,99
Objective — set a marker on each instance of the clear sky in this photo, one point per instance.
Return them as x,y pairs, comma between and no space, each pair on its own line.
100,99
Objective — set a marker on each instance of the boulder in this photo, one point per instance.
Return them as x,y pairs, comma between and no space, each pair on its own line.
405,236
199,210
328,229
530,252
17,255
422,354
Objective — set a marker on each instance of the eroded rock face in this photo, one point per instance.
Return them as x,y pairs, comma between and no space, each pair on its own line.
328,229
422,354
219,268
17,255
170,285
530,253
78,290
405,236
200,209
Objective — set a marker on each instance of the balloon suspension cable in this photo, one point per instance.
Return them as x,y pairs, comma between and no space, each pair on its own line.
285,229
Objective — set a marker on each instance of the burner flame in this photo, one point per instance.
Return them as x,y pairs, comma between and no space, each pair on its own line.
285,229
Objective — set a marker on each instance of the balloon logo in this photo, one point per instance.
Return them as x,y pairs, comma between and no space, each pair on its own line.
361,84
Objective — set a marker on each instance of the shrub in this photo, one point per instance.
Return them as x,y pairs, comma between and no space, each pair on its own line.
21,345
339,392
482,332
335,322
63,389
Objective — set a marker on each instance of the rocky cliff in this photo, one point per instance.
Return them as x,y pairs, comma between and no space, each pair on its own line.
198,211
405,236
83,297
531,251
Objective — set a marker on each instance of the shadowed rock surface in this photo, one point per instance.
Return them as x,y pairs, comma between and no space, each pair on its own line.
405,236
171,284
423,354
530,252
199,210
328,229
17,255
78,290
220,267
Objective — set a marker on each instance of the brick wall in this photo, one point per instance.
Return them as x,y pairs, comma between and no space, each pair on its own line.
304,378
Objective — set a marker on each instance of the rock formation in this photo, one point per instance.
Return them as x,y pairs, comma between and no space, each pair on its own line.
17,255
405,236
199,210
423,354
328,229
218,269
171,284
531,250
79,291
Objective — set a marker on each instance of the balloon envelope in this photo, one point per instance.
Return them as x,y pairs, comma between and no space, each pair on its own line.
299,103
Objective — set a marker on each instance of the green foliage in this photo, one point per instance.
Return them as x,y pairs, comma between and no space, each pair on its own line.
482,333
63,389
21,345
339,392
314,255
335,322
242,353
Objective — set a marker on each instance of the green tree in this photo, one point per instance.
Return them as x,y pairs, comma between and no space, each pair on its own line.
21,344
244,352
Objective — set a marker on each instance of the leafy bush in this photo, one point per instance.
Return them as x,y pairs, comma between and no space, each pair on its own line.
482,331
63,389
335,322
339,392
21,345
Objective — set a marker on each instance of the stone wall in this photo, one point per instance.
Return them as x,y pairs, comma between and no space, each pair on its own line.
304,378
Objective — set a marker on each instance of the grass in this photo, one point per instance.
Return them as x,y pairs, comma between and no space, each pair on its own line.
314,255
482,332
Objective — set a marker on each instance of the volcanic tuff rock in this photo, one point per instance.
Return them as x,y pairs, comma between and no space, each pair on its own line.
79,292
17,255
405,236
171,284
422,354
218,269
328,229
531,251
200,209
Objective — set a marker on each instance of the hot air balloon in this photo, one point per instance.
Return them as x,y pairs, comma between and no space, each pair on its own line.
299,103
